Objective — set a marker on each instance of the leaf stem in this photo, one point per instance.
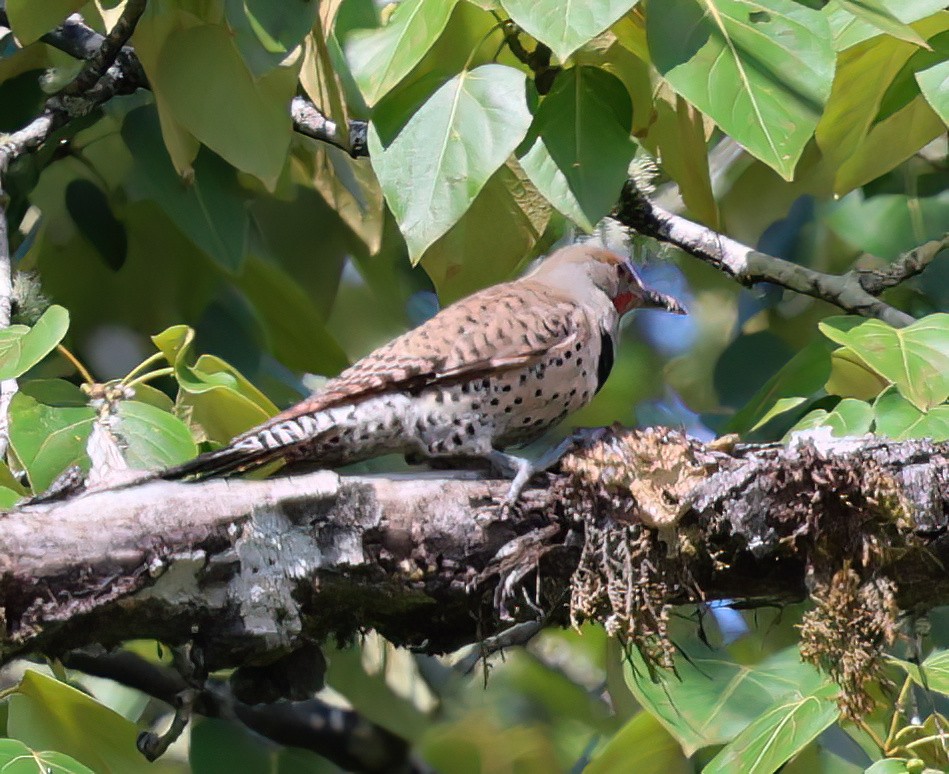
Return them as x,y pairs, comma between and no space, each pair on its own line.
77,364
142,366
149,376
898,709
872,734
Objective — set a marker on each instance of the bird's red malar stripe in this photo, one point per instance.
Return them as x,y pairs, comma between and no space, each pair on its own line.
623,302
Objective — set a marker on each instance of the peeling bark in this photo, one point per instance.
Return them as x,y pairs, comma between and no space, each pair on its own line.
250,570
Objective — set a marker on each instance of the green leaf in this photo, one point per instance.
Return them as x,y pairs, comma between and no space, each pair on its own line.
781,732
640,745
781,406
297,331
47,439
851,378
381,58
210,211
267,32
803,375
31,20
564,27
761,70
214,397
579,147
500,230
849,417
153,438
897,418
914,358
242,119
45,714
935,671
889,766
8,498
712,698
877,13
21,347
436,166
849,30
934,84
17,758
855,146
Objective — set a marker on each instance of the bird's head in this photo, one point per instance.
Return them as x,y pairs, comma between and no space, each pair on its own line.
582,264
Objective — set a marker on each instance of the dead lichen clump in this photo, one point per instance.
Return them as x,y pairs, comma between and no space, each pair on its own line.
845,633
843,516
631,488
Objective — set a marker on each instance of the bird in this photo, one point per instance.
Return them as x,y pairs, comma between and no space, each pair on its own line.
489,372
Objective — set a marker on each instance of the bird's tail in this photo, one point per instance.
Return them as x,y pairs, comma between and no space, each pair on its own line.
221,462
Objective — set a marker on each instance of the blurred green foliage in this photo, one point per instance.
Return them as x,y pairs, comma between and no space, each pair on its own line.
207,265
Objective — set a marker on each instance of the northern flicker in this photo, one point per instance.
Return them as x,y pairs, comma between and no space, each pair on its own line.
491,371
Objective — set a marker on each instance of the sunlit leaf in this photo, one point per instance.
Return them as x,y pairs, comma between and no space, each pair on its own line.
855,145
22,347
46,714
30,20
214,397
849,30
934,84
641,745
878,14
436,166
899,419
17,758
713,698
492,239
579,147
778,734
48,439
850,377
914,358
381,58
849,417
750,66
802,376
153,438
564,27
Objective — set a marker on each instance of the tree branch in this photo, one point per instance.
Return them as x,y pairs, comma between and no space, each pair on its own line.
749,266
250,569
338,734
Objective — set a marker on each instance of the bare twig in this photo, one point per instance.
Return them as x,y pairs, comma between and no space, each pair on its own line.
311,122
103,57
537,60
908,265
341,735
747,265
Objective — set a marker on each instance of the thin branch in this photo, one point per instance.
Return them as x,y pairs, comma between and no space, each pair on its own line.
537,60
108,50
309,121
747,265
908,265
340,735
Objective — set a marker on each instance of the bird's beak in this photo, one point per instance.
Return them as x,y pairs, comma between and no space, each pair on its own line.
652,299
